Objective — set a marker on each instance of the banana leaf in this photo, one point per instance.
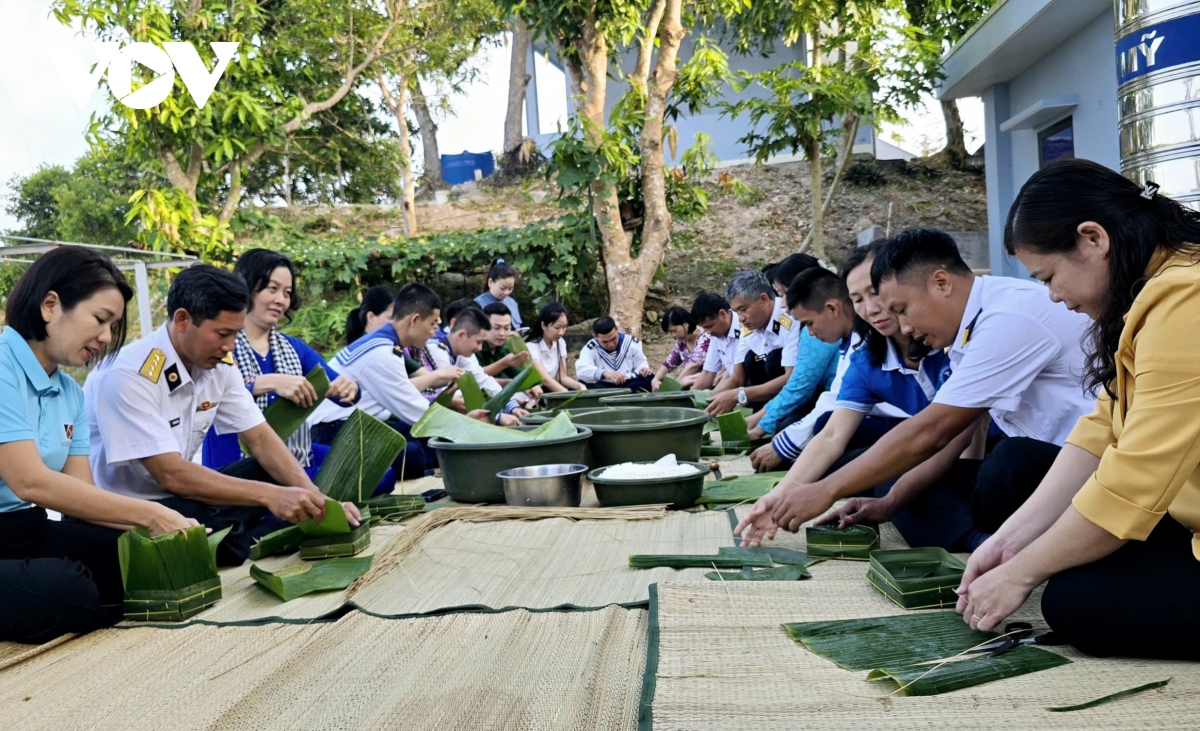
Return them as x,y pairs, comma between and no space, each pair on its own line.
1110,697
516,344
473,396
563,406
446,396
888,642
655,561
285,417
462,429
290,582
854,543
701,398
343,544
169,577
734,432
396,507
782,556
917,578
670,384
360,455
524,381
716,450
977,670
740,489
335,522
285,540
778,573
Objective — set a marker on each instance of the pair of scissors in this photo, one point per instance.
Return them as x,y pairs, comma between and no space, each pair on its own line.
1016,635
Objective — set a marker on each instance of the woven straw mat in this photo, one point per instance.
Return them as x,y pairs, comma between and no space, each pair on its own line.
540,564
518,671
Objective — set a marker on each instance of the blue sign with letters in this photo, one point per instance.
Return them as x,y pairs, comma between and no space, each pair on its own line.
1157,47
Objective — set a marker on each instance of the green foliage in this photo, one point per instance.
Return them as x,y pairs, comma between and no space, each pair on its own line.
87,203
864,174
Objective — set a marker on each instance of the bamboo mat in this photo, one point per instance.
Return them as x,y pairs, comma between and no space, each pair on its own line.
724,662
519,671
544,564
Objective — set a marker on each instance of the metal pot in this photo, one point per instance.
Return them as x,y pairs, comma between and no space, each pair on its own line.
547,485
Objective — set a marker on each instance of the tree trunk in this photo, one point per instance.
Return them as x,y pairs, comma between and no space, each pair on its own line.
813,152
395,103
518,81
850,130
956,143
428,131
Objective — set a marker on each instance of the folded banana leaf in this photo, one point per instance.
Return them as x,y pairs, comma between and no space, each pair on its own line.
888,642
782,556
740,489
778,573
917,578
396,507
360,455
334,523
462,429
976,670
285,417
290,582
447,395
473,396
334,546
516,344
169,577
734,432
655,561
854,543
670,385
701,398
524,381
284,540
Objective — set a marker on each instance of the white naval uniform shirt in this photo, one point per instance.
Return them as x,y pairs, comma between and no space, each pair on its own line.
781,332
550,356
442,357
628,359
1018,355
722,352
144,403
377,363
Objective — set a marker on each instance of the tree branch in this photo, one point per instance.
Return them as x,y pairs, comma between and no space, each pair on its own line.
641,72
846,155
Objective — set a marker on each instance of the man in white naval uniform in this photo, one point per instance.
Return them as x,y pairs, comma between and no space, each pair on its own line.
612,359
150,407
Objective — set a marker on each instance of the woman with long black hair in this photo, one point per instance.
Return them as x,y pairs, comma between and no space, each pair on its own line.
58,577
549,350
374,312
1113,524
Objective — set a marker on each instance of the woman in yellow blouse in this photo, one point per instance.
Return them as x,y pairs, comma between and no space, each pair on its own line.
1113,524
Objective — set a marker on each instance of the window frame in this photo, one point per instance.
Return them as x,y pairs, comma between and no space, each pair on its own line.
1067,122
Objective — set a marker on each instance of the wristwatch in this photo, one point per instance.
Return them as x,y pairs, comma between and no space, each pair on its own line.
742,396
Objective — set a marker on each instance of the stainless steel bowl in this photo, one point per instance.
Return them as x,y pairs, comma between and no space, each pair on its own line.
544,486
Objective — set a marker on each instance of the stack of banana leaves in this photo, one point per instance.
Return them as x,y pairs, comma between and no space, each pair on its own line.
334,536
752,564
169,577
731,491
852,543
452,426
922,654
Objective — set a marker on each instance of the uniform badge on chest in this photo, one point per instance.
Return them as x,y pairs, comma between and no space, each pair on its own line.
70,430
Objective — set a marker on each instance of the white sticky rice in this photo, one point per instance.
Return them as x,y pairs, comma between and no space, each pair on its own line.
634,471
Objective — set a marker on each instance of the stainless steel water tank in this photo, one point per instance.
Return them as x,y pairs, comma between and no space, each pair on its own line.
1158,93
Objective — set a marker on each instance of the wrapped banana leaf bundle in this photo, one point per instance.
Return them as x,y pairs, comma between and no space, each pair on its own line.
294,581
284,540
395,507
360,454
720,561
917,578
169,577
853,543
924,654
333,536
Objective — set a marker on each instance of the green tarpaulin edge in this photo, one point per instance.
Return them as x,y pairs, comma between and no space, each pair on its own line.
650,677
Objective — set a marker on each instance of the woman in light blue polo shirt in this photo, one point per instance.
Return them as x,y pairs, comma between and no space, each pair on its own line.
58,577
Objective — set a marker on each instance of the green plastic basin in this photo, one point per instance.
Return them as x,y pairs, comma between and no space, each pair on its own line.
537,418
643,434
590,397
679,399
679,492
469,470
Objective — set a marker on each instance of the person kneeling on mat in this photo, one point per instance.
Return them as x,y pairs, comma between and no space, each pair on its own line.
612,359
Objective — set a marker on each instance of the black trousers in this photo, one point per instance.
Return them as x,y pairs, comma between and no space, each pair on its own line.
247,523
974,495
1142,600
637,384
762,369
56,577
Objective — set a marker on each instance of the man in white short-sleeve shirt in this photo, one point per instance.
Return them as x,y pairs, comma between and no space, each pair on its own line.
1016,358
457,345
712,312
612,359
150,407
767,345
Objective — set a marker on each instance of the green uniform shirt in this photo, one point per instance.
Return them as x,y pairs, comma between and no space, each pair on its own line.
490,355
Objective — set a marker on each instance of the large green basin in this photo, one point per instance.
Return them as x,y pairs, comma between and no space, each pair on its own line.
590,397
679,399
643,434
679,492
537,418
469,470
